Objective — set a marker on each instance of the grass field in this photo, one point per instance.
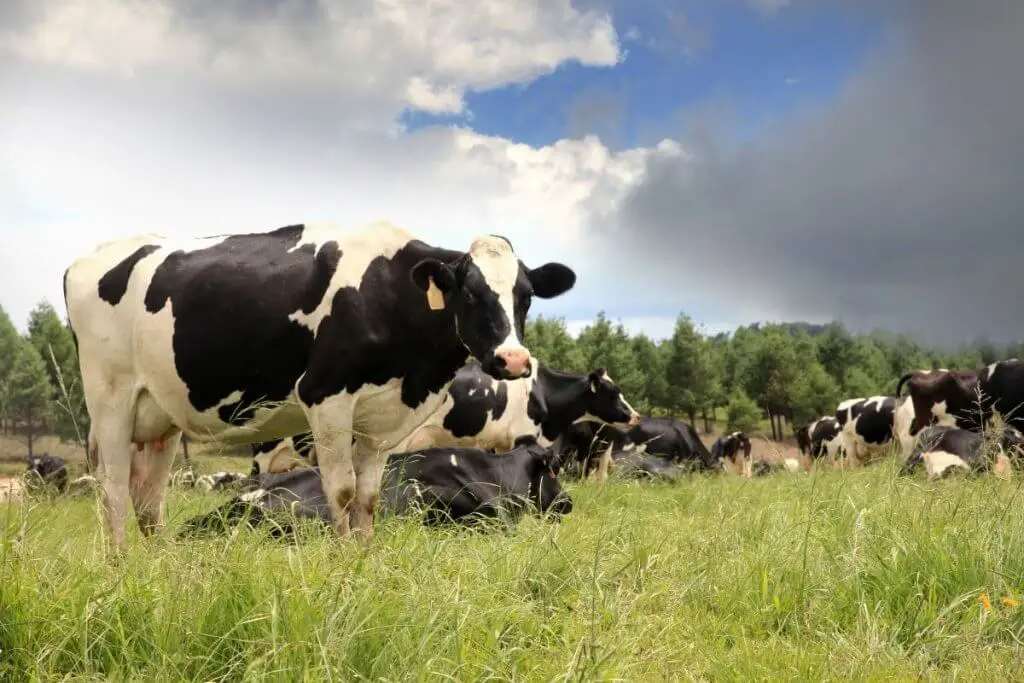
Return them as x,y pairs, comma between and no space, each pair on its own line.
814,576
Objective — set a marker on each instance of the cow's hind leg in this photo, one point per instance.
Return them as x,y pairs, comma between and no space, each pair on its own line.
150,470
112,430
331,424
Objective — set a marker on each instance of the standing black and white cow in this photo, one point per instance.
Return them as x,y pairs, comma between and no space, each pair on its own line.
945,449
252,337
730,447
967,398
488,413
825,436
870,425
281,455
493,414
591,445
451,484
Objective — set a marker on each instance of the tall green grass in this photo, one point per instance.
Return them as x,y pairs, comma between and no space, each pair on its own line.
809,577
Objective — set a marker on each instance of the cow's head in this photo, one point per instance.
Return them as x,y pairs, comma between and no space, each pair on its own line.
545,490
605,402
489,292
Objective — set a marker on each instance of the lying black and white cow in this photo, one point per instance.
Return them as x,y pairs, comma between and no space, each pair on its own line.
825,437
222,481
634,465
674,440
871,425
47,470
735,448
449,484
764,467
281,455
251,337
944,450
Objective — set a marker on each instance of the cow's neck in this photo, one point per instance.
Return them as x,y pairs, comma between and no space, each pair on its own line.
565,397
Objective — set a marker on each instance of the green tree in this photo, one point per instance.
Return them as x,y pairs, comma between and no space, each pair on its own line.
742,413
29,391
693,379
774,372
10,340
650,361
54,342
550,342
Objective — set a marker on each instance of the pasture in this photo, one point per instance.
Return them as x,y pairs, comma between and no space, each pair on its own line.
822,575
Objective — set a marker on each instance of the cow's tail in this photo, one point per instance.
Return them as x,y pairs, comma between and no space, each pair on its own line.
223,519
902,381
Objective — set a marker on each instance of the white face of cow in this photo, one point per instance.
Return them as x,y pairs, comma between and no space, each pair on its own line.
489,292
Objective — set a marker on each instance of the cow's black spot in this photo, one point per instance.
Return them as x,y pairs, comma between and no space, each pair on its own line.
875,421
114,283
473,400
231,303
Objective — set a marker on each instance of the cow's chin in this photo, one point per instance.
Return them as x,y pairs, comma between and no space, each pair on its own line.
493,367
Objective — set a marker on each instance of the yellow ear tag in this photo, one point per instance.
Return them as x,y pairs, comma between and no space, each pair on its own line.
434,297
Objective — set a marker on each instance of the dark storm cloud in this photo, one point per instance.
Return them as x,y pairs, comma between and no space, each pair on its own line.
900,204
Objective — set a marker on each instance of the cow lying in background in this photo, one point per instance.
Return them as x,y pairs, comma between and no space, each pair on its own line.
633,465
764,468
282,455
729,447
46,470
451,484
944,449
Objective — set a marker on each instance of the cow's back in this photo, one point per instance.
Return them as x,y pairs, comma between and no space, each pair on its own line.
203,329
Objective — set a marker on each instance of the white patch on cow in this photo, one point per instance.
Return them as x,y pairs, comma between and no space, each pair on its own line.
992,369
499,434
500,268
847,404
936,463
453,461
359,248
903,418
205,482
254,496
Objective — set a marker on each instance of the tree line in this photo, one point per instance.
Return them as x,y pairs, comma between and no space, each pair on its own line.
787,372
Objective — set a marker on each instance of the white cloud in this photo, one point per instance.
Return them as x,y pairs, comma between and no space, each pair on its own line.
160,131
378,55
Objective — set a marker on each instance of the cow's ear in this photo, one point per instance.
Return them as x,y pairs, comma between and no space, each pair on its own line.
435,278
595,380
551,280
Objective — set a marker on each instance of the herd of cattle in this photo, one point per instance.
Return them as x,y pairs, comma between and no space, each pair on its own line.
396,370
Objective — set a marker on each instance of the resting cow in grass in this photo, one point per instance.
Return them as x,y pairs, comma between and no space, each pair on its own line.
944,450
449,484
46,470
252,337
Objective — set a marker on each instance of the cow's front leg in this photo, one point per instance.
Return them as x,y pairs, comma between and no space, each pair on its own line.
369,466
331,423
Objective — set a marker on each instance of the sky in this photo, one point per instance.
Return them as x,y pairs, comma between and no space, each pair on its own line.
737,160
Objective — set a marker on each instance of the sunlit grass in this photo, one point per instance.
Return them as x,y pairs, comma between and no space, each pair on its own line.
806,576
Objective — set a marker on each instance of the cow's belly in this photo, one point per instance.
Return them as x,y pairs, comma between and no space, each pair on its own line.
381,415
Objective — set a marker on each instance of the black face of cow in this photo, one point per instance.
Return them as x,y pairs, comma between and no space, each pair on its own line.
545,490
607,403
489,292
